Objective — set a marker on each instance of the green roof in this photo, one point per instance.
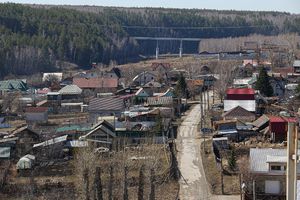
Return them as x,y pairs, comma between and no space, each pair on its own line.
10,85
72,128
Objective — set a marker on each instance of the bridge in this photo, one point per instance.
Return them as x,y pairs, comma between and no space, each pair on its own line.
165,39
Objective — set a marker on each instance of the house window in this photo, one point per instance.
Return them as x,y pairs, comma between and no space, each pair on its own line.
275,167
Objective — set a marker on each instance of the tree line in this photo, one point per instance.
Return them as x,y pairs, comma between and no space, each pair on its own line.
33,38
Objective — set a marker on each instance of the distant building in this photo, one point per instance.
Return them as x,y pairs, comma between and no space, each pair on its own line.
97,84
36,114
106,106
240,114
278,127
296,66
143,78
17,85
57,75
243,97
70,92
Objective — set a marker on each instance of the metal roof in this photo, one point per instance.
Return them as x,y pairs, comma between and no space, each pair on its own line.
4,152
70,89
261,121
153,101
259,158
106,103
9,85
51,141
240,91
237,112
296,63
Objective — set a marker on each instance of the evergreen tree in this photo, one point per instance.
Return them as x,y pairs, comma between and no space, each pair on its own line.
181,87
232,160
298,91
263,83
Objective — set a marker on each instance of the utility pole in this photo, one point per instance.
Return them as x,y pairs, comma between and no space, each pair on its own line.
156,50
254,196
213,87
208,99
291,175
201,110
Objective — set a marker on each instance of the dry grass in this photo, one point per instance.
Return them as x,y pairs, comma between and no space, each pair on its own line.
213,173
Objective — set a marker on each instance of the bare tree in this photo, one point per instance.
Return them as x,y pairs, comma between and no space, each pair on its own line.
110,184
98,185
152,185
51,80
125,194
225,71
141,183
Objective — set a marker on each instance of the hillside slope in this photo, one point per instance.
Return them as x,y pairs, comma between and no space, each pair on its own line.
35,37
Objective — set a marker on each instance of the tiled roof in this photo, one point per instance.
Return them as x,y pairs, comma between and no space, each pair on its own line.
238,111
70,89
106,103
259,158
240,91
36,109
96,82
153,101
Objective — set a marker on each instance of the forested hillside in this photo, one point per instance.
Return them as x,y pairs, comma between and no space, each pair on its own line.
33,38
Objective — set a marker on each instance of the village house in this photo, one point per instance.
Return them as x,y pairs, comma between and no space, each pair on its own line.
268,167
36,114
242,82
243,97
194,86
101,134
25,139
278,84
106,106
278,127
17,85
143,78
97,84
70,92
208,79
239,113
296,66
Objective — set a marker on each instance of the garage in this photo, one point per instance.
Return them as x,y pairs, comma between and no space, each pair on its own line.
272,187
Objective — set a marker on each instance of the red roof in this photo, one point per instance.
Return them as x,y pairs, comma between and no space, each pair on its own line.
96,82
240,91
278,119
36,109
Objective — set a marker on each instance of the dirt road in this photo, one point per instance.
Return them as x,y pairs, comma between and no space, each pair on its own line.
193,184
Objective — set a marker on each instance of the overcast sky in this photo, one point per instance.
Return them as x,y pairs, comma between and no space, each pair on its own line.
292,6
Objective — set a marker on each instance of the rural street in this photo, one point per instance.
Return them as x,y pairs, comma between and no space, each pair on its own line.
193,185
